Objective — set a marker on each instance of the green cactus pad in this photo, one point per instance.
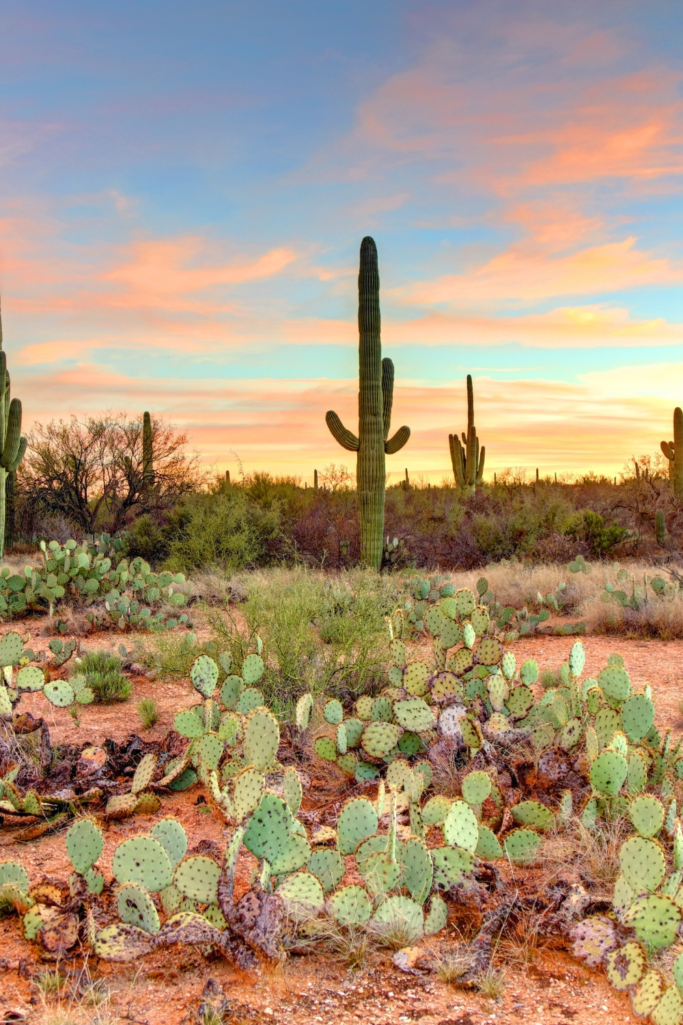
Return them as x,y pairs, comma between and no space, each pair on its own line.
333,712
677,972
643,864
84,844
489,651
647,995
12,873
326,749
143,860
626,966
520,701
365,771
488,846
172,838
304,706
435,811
451,865
528,674
476,787
357,821
577,659
253,668
615,683
215,916
197,878
533,814
480,620
409,743
328,866
444,685
144,773
669,1010
522,846
461,662
655,920
465,602
471,732
381,709
364,708
292,790
269,835
380,874
351,906
450,634
204,675
498,689
250,699
301,892
348,763
461,828
416,862
400,913
379,738
187,724
571,734
230,691
608,773
437,918
593,700
30,678
59,693
11,649
248,792
354,731
637,717
209,751
261,739
398,653
647,814
415,715
136,907
397,772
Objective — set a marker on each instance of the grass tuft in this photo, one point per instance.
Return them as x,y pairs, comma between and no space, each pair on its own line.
104,675
148,711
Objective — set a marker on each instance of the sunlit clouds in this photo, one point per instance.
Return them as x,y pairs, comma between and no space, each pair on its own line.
181,210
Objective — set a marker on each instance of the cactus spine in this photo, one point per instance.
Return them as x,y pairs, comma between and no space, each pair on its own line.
12,445
147,453
375,398
673,450
468,461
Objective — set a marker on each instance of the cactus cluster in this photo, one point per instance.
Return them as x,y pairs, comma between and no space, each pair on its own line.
466,457
115,592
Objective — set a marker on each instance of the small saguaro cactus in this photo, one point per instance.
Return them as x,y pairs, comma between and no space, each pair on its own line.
12,445
375,399
147,453
673,450
468,461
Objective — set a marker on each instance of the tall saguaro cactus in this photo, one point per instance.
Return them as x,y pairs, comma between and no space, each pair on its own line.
147,453
673,450
467,460
375,398
12,445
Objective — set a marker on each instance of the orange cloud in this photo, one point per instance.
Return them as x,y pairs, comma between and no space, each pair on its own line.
521,276
160,272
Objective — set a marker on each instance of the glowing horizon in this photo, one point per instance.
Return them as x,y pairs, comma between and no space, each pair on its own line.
183,198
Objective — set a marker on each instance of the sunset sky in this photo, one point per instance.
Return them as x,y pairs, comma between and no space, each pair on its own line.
184,188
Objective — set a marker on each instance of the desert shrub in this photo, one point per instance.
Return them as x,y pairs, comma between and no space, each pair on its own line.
148,712
222,528
104,675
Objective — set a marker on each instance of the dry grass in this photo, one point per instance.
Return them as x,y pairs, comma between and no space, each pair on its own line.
593,852
453,964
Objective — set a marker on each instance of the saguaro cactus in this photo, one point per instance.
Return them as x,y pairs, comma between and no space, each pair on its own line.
147,453
673,450
375,398
468,461
12,445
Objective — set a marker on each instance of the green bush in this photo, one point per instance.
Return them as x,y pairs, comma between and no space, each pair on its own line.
103,674
224,529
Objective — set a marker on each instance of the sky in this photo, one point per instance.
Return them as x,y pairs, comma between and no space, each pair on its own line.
184,189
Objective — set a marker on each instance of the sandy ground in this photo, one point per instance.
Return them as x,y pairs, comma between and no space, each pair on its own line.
165,986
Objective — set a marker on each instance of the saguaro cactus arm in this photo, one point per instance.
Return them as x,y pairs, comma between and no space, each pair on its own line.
347,439
395,444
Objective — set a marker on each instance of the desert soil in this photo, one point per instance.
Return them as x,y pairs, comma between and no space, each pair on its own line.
165,988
